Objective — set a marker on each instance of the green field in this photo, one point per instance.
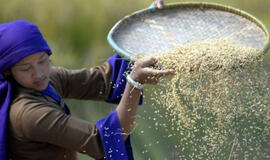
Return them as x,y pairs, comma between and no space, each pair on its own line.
77,32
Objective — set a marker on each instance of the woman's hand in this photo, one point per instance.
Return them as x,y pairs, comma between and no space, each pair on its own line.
143,73
158,3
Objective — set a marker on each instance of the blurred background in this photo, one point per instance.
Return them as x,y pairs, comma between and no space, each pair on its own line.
77,32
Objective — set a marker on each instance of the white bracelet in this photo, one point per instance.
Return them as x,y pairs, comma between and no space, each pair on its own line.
134,83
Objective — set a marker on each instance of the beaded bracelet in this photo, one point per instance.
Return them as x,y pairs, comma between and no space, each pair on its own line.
134,83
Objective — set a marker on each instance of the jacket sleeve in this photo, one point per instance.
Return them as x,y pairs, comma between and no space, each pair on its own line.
120,68
87,83
47,124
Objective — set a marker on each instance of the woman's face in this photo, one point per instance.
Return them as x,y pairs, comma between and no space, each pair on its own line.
33,71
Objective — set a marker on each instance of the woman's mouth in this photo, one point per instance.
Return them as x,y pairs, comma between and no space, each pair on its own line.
40,81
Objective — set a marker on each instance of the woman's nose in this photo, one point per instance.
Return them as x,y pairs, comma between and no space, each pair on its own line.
37,72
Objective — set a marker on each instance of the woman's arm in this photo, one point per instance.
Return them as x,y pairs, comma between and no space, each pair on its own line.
42,121
87,83
141,73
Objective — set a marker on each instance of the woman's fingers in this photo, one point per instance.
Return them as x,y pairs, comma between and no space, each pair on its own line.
148,62
154,74
158,3
143,72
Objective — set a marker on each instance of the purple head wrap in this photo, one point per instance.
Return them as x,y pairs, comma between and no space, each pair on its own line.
18,39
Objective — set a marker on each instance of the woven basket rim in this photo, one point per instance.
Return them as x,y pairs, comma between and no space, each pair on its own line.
202,5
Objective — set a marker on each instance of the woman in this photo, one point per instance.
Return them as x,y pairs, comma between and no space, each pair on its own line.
34,121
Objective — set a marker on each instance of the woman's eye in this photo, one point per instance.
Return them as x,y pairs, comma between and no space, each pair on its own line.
26,69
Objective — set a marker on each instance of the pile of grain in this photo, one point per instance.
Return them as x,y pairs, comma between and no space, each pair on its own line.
218,102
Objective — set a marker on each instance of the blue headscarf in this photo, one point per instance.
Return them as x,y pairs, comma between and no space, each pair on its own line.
18,39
